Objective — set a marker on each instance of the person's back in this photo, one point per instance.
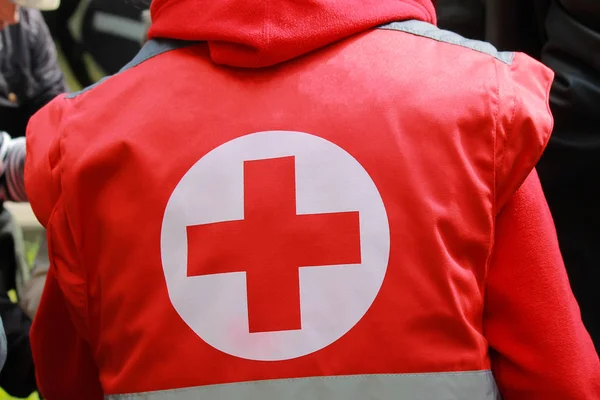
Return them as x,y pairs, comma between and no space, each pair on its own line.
263,220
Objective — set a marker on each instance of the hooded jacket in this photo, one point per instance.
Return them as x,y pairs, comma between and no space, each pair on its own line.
303,199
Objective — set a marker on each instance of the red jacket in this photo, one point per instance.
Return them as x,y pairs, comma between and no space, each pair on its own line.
304,206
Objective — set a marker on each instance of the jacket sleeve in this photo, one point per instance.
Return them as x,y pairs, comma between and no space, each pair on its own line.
539,346
61,341
570,168
42,165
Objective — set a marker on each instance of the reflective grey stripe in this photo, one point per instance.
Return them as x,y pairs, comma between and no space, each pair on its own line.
151,49
427,30
478,385
158,46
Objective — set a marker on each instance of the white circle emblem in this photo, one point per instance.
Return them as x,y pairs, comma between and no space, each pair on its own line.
274,213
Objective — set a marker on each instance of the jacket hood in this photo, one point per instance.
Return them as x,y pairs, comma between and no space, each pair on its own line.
260,33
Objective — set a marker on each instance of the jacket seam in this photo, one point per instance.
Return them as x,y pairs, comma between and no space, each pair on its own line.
549,109
509,130
494,176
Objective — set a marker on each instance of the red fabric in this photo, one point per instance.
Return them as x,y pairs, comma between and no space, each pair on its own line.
65,368
540,348
446,134
260,33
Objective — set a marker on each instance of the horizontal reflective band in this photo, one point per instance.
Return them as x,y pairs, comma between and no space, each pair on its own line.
479,385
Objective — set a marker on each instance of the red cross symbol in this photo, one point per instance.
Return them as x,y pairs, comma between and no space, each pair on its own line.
271,243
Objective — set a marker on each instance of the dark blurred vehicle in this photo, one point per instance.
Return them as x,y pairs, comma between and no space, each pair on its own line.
111,33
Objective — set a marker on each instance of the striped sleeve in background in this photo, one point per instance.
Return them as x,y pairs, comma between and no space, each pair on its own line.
12,168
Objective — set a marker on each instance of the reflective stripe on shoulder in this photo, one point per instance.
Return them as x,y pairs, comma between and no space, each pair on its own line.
430,31
477,385
151,49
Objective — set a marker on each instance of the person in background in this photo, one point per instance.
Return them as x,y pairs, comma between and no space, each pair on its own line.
319,199
29,72
564,35
17,378
29,78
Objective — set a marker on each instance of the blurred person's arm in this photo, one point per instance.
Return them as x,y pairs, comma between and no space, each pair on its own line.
44,63
12,165
539,346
